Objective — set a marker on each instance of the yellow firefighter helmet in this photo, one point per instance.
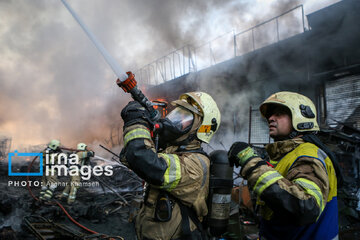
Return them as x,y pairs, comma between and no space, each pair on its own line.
202,104
81,147
54,144
303,111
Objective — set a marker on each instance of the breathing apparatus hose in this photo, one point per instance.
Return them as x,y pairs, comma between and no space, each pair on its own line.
54,202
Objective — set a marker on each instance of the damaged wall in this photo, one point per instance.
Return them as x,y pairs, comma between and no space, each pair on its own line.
295,64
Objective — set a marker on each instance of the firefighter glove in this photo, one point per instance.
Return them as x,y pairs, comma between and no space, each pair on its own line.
134,113
90,154
240,153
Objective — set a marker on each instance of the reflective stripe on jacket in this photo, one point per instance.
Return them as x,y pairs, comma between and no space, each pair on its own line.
298,197
326,226
183,174
83,157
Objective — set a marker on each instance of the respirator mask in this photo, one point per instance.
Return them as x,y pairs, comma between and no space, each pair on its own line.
177,123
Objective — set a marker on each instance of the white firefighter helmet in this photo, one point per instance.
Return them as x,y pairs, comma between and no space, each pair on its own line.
303,111
81,147
202,104
54,144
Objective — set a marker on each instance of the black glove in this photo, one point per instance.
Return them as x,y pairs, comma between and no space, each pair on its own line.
90,154
134,113
240,153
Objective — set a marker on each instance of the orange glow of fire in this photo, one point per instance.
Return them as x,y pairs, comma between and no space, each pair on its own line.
163,110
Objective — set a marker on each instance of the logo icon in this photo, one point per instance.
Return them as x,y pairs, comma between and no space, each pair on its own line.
15,154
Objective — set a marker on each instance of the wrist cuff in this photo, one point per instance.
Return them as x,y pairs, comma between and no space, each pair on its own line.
247,174
136,133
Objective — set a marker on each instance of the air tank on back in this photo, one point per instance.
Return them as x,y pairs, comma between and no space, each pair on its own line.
221,183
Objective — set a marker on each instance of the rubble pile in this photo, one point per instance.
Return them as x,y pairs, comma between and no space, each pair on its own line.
344,141
108,208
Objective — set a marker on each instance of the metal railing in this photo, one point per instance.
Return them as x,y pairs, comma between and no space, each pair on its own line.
215,51
229,45
170,66
260,37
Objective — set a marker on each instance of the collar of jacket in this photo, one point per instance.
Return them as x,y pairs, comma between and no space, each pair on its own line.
195,144
278,150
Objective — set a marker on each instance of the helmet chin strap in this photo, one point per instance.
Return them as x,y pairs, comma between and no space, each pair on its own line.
293,134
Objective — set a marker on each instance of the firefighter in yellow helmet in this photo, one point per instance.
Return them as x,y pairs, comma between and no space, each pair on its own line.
72,187
177,175
49,182
297,191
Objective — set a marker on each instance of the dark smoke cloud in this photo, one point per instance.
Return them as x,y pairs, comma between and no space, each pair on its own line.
54,83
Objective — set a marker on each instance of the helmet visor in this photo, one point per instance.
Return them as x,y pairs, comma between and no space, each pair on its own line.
181,118
274,108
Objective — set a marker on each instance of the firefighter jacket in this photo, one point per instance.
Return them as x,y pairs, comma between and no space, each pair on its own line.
84,157
51,162
49,180
185,175
298,197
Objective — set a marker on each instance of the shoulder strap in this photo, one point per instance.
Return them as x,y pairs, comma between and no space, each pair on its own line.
185,223
187,212
200,150
315,140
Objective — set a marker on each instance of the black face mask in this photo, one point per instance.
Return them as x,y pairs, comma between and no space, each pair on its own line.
169,133
49,150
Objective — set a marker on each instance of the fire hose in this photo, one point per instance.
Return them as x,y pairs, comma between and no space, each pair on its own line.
54,202
124,80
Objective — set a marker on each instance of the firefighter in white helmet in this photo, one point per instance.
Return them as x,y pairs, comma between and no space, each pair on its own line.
49,182
69,192
177,175
297,194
